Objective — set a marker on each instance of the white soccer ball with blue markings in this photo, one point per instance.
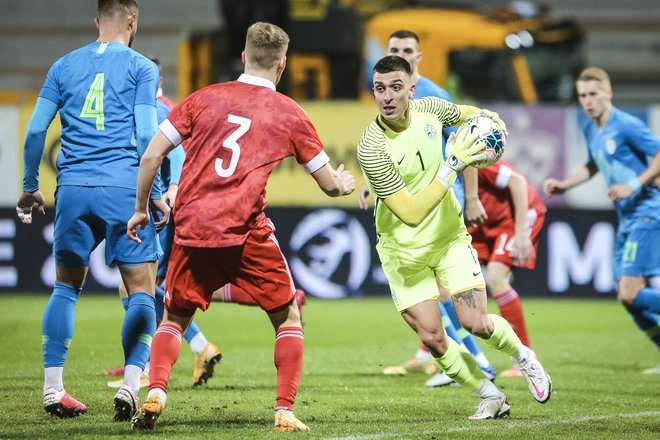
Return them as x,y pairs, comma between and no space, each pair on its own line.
490,135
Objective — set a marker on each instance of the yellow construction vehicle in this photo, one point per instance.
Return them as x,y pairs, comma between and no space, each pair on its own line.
499,55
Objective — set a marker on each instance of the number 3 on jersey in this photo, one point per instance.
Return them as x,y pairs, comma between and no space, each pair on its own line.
93,107
232,143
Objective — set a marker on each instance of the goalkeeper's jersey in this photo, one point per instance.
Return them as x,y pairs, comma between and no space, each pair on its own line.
391,161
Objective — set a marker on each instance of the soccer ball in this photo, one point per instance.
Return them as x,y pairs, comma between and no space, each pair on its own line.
490,135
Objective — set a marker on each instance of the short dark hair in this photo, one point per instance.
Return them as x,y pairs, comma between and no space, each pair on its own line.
403,33
111,8
155,60
392,63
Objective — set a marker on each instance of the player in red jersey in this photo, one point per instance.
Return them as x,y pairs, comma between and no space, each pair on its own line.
511,214
237,133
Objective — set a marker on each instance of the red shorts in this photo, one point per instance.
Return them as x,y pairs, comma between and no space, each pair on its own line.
258,267
494,243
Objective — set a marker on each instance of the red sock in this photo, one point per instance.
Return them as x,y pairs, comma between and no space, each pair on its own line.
165,348
424,347
511,310
231,293
289,347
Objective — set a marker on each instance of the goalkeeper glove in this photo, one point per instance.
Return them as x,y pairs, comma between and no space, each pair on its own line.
463,149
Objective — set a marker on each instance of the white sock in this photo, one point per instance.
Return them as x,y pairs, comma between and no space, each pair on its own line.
284,409
482,360
198,343
423,355
523,353
132,374
160,392
488,389
53,378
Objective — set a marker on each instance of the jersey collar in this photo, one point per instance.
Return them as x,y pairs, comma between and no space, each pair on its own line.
256,81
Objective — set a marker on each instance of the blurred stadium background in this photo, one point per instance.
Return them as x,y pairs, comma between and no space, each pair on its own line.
521,60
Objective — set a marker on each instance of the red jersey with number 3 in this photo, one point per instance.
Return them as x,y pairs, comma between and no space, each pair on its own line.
236,132
495,195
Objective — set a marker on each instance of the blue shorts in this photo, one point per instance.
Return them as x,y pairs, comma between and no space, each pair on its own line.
86,215
166,238
637,252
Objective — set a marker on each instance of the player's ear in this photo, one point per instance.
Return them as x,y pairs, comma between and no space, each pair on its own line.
413,90
243,57
281,65
97,22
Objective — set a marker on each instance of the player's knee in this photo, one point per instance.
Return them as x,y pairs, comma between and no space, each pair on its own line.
481,328
433,340
627,292
626,296
496,283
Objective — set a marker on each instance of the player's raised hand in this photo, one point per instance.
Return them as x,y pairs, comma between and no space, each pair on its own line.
363,197
140,219
495,117
26,202
161,213
553,187
347,179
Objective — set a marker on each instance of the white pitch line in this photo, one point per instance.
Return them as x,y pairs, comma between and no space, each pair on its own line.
487,426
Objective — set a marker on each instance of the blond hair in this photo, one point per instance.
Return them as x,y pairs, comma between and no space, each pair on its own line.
265,45
595,74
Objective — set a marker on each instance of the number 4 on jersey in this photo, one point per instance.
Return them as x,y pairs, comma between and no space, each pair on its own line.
93,107
232,143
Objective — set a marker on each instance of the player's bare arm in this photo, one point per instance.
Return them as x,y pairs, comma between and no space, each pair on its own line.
553,187
623,191
475,214
158,148
522,248
335,183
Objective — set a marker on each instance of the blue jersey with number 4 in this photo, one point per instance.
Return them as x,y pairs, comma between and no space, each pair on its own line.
622,151
95,89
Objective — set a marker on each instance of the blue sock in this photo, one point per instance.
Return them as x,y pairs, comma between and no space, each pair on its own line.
160,303
57,324
124,303
648,299
648,322
448,325
192,331
138,329
469,340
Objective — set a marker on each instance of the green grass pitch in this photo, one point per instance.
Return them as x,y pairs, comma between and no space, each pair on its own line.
592,349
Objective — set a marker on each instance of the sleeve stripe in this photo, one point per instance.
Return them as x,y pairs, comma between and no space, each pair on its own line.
170,132
447,113
376,163
503,177
317,163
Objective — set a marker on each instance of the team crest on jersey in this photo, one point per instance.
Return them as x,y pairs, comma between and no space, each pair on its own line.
610,146
430,131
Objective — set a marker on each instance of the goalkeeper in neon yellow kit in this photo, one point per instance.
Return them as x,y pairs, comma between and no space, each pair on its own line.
421,235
